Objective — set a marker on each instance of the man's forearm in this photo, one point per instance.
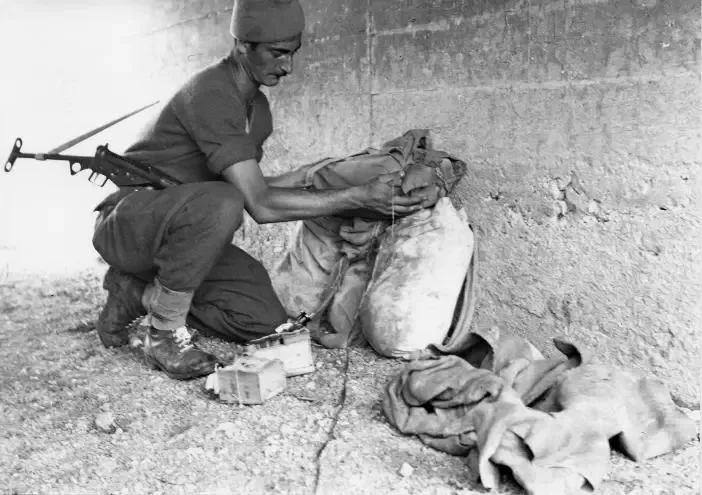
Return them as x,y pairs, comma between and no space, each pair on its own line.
281,204
267,204
294,178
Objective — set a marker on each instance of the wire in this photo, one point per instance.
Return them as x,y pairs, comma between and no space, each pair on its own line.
392,220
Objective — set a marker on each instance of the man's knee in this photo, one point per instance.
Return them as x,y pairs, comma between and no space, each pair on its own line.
237,300
217,207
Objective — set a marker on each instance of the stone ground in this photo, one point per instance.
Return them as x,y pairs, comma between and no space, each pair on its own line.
324,434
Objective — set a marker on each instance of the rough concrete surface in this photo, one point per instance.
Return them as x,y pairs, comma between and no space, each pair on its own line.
580,123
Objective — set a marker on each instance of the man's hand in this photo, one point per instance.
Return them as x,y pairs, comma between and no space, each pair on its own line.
430,194
385,196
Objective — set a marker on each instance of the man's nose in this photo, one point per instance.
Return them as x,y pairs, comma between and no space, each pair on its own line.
287,64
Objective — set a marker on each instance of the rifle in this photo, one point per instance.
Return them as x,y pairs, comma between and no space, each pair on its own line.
105,164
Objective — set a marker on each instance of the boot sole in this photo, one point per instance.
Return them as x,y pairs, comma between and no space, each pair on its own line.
155,365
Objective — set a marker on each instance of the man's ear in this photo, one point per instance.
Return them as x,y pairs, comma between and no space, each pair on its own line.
240,47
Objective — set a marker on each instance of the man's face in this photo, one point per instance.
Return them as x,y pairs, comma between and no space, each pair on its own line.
268,62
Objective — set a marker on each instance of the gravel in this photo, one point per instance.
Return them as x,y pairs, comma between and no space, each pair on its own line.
78,418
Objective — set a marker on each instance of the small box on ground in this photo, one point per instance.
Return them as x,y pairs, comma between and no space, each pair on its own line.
294,349
250,380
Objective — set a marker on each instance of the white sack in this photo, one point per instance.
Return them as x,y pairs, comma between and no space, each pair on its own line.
422,263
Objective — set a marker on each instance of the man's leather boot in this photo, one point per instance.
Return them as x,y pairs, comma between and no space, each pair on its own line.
173,352
122,308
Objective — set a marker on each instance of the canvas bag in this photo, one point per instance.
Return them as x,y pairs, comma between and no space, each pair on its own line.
327,267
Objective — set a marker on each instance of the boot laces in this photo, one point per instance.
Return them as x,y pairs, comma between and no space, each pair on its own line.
183,339
136,322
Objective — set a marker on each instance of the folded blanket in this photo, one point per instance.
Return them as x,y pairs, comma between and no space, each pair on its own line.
549,420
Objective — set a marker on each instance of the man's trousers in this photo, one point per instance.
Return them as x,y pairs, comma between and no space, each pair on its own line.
182,237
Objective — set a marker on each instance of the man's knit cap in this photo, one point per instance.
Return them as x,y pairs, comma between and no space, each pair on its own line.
267,21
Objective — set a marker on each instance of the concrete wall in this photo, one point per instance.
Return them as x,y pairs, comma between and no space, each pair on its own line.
580,121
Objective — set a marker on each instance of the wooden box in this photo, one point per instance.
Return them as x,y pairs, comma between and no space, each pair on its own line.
294,349
251,380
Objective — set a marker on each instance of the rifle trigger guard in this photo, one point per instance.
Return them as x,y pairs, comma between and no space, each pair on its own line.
95,177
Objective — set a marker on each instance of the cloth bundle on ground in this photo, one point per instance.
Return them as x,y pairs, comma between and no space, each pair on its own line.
550,421
332,259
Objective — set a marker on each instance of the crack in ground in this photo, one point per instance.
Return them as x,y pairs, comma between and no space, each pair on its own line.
330,433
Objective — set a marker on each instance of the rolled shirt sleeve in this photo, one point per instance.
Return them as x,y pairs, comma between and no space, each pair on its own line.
216,121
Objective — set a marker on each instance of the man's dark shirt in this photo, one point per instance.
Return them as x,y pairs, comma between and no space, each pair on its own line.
205,127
